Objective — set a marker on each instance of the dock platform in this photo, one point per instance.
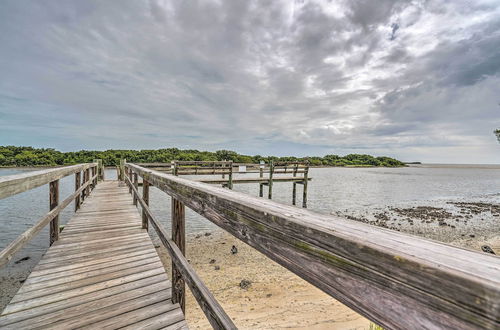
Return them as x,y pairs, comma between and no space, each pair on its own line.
102,273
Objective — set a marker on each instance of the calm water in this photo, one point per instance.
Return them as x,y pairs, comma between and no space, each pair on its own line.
348,190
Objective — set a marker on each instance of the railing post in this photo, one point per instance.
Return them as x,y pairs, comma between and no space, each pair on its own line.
136,185
87,178
175,168
122,170
53,202
145,197
230,182
270,185
92,173
294,190
179,238
78,181
84,191
130,178
304,195
100,170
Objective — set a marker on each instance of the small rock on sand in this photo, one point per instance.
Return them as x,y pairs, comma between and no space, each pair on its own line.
245,284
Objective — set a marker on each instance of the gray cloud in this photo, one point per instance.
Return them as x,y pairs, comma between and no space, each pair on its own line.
388,77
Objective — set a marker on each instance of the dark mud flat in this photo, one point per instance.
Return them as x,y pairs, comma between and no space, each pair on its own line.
465,224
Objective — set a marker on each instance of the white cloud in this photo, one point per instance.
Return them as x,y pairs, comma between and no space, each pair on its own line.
254,76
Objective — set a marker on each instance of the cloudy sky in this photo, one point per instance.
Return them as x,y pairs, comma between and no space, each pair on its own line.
417,80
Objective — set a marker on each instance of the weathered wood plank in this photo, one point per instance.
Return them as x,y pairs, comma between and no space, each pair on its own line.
8,252
92,311
53,201
212,309
97,271
179,238
18,183
395,279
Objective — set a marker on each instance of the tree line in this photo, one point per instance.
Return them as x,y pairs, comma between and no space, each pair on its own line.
29,156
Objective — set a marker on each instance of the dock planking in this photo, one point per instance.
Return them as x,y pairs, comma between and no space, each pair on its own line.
103,272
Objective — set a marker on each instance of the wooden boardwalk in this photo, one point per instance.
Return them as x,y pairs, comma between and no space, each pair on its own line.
103,273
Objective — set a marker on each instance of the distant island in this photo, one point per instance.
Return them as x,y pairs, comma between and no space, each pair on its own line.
28,156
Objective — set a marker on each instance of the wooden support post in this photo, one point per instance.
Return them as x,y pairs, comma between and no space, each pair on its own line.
100,170
261,190
304,196
175,168
261,170
84,192
179,238
294,189
271,171
136,185
122,170
129,173
230,182
145,197
78,181
53,202
87,178
92,174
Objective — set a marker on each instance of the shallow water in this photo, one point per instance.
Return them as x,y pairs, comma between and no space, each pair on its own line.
356,192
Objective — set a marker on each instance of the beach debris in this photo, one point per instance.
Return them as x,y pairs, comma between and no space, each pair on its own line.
245,284
269,295
234,250
217,267
22,259
212,261
198,236
487,249
472,235
208,234
157,245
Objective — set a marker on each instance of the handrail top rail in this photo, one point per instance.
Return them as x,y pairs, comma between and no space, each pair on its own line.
417,273
487,264
18,183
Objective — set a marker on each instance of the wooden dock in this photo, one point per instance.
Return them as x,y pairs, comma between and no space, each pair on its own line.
102,273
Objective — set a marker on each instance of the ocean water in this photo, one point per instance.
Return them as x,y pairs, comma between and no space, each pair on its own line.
344,191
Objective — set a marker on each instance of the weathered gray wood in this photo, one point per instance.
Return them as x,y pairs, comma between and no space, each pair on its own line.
230,181
304,192
18,183
145,197
122,169
270,184
89,279
294,188
136,185
87,178
100,170
209,305
397,280
8,252
78,182
53,202
297,179
179,238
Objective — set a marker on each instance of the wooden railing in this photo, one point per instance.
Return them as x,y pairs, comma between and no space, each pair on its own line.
398,281
15,184
182,271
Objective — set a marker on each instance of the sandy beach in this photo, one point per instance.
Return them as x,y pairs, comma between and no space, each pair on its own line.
275,299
